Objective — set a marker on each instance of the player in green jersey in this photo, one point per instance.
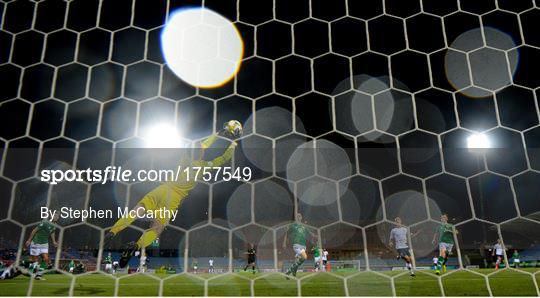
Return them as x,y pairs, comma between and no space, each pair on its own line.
317,257
515,258
108,263
195,264
445,232
298,233
38,242
71,266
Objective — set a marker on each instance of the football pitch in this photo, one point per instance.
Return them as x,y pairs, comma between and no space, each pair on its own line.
454,283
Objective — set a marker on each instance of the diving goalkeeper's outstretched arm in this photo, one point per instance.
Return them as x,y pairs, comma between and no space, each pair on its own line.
231,130
207,144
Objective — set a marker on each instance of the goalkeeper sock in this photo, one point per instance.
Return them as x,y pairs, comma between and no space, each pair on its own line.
147,238
122,223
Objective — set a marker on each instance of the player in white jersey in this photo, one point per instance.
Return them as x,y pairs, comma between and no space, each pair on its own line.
142,262
399,239
13,271
115,266
211,265
324,259
498,251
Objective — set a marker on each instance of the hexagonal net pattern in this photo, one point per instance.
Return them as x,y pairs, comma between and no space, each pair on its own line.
354,112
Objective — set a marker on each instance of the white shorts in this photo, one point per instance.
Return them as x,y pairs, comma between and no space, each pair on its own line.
71,269
108,266
298,249
317,260
39,249
446,246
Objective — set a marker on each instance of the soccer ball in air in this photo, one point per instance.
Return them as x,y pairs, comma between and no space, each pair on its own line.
233,128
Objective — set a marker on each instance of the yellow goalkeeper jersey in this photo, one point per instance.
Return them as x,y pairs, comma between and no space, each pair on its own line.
170,194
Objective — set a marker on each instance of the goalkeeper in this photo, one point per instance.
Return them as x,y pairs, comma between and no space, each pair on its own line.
170,194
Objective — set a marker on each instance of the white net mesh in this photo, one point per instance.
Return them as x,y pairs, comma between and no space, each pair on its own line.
355,113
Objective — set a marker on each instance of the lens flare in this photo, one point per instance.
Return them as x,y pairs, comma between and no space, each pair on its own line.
478,141
201,47
476,70
163,136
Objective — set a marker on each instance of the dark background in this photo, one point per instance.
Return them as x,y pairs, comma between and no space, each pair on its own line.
80,79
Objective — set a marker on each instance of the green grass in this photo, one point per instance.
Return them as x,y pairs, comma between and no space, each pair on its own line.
275,285
55,285
323,285
183,285
94,285
138,285
457,283
369,284
476,284
15,287
507,283
421,285
229,285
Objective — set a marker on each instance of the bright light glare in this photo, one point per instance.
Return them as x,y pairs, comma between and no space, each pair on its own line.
201,47
478,141
163,136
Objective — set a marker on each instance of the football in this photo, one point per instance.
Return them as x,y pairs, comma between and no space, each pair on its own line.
234,128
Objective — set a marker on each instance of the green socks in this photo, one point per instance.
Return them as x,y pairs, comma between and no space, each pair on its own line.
294,267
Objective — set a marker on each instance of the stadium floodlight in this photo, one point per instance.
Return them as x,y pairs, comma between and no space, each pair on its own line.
163,136
478,142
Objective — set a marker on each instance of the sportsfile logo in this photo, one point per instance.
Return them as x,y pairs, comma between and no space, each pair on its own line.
110,173
119,174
